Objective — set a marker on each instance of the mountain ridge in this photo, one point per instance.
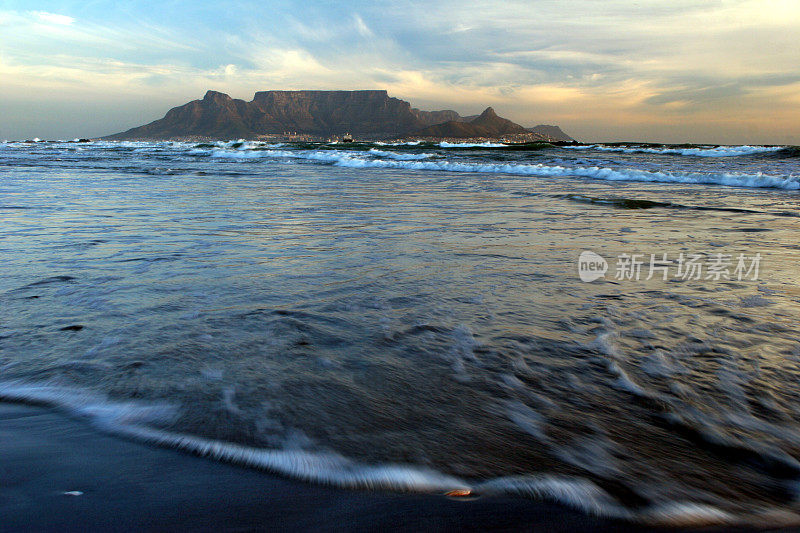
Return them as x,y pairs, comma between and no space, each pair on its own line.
367,114
554,132
487,124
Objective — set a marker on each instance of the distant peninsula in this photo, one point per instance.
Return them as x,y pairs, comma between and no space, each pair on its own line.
322,115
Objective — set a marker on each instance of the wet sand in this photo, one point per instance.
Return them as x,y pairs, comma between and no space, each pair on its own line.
60,474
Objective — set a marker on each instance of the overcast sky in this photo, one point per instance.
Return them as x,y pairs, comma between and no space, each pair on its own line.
716,71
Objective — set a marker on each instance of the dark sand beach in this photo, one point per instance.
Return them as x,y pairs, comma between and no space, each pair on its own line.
60,474
130,486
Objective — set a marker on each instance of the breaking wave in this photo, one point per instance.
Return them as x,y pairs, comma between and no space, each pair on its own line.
355,160
716,151
139,421
445,144
399,157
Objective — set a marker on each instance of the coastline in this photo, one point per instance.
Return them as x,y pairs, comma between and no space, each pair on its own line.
60,474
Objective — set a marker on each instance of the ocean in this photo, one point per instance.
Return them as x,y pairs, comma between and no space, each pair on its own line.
610,326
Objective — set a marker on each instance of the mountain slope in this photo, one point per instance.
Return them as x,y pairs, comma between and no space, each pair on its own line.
553,132
319,113
487,124
216,112
369,114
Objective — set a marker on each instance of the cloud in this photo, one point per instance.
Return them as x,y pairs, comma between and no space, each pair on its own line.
362,27
53,18
588,64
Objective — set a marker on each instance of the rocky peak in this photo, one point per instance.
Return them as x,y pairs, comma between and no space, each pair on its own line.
214,96
487,113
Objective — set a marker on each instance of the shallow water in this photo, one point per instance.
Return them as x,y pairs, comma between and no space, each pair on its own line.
333,310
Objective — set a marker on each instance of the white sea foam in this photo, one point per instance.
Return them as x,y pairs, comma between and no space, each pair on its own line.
527,420
82,403
574,492
407,143
399,156
235,154
731,179
710,151
445,144
686,514
136,420
464,344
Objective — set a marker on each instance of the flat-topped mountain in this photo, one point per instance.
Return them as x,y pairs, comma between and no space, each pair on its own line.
318,113
371,114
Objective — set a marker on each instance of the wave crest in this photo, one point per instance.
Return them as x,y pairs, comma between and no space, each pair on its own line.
135,420
355,160
709,151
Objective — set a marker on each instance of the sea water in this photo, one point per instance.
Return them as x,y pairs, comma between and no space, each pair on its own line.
414,315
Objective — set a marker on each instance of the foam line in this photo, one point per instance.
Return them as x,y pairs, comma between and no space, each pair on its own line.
354,160
718,151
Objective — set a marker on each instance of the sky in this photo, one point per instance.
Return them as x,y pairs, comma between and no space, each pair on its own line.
703,71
